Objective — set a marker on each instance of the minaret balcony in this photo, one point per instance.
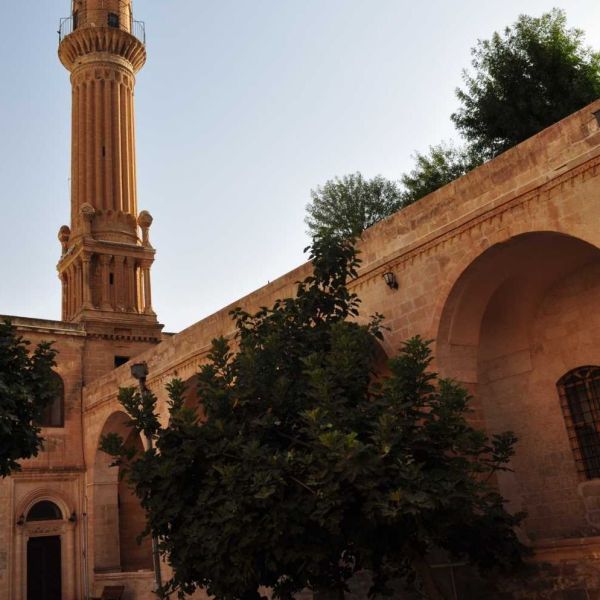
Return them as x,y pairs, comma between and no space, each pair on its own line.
101,17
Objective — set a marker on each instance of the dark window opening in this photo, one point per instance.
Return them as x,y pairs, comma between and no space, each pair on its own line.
113,20
103,151
53,414
44,511
75,20
121,360
580,401
111,278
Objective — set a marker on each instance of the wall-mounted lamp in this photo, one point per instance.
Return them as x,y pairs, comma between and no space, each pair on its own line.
73,517
139,371
21,521
390,280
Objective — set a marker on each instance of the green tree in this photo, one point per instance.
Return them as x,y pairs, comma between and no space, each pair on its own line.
346,206
303,468
443,164
525,79
27,386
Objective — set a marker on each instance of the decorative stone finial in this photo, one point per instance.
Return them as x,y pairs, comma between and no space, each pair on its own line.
87,212
145,221
64,234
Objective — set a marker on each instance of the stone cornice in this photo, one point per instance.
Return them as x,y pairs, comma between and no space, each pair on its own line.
583,166
101,41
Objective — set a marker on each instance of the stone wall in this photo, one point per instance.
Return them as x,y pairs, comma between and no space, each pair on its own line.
501,269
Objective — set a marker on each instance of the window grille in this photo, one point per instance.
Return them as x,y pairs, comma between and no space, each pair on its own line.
580,400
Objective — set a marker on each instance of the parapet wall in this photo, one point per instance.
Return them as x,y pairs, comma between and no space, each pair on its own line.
549,158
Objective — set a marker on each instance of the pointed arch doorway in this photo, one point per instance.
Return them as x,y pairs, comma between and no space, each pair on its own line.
44,568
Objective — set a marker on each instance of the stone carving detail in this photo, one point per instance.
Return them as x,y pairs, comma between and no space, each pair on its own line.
145,222
64,234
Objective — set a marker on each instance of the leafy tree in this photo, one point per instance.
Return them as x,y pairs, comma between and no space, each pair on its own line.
303,469
27,386
347,206
443,164
524,79
534,74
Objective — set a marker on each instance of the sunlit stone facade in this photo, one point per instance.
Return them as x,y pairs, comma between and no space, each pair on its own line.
501,268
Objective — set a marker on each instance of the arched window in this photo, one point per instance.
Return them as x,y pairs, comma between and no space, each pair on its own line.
580,400
53,415
44,511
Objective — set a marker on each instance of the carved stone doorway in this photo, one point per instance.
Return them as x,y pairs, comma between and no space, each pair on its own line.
44,568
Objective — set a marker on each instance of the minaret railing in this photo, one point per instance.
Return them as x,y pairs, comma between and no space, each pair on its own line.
100,18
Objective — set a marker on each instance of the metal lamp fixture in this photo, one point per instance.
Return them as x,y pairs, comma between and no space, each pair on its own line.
139,371
390,280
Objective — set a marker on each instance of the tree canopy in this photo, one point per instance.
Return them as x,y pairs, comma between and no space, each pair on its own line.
304,466
441,165
27,386
348,205
525,79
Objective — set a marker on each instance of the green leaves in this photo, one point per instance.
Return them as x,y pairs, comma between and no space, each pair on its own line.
306,467
348,205
27,386
524,79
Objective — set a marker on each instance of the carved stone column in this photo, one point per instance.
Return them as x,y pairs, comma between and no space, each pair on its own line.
78,287
120,287
87,290
105,285
63,280
130,303
147,288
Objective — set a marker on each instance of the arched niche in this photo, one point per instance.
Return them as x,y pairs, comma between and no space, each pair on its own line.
515,321
53,415
118,519
44,510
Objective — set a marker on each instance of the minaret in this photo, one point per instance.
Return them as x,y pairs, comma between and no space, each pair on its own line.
106,253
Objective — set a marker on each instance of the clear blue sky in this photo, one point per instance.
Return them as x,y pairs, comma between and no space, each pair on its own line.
243,107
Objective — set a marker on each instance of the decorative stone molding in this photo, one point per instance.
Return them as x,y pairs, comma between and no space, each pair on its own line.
94,40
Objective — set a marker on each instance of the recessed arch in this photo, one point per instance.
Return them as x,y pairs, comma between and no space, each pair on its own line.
43,494
53,415
118,519
518,317
44,510
515,274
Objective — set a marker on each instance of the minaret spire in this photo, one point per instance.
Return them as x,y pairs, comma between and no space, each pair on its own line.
105,262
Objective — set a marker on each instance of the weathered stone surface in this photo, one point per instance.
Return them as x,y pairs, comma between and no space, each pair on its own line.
500,268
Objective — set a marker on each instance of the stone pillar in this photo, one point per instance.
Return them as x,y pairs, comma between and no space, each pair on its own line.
78,287
20,560
69,540
120,288
87,290
130,303
147,288
63,280
105,286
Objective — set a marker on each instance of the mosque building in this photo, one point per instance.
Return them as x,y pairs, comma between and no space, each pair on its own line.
501,268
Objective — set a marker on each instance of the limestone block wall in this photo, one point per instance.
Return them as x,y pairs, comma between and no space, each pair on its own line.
500,269
56,474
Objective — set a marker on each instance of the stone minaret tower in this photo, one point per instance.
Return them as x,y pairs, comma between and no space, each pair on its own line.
106,253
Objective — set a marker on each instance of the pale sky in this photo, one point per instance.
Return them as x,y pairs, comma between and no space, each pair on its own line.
242,108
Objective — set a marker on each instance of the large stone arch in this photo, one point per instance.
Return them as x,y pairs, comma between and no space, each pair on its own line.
117,516
513,323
